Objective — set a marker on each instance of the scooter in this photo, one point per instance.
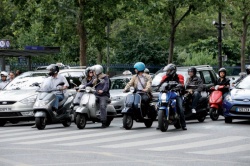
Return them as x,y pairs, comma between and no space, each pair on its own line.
89,109
201,109
43,108
215,102
133,110
167,113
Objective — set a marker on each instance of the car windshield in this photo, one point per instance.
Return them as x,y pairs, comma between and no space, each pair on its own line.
244,84
119,83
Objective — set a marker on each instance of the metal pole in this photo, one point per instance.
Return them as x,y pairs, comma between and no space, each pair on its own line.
108,31
219,41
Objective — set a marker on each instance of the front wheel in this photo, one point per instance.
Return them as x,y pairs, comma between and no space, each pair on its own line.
2,123
127,121
148,123
162,121
81,121
228,120
67,122
214,114
40,123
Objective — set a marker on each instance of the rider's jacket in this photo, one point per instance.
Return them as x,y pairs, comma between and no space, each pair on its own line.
177,77
224,81
134,82
100,83
195,80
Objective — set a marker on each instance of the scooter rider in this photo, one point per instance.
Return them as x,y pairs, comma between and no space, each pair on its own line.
89,75
243,75
223,81
4,81
101,84
197,81
142,82
171,75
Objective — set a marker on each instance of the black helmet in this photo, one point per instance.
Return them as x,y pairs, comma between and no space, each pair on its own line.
87,71
53,69
222,70
192,69
171,68
248,69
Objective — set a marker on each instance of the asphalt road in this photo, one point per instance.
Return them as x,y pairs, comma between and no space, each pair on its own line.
204,144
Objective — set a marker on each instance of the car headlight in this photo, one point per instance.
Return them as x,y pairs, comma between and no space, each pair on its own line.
116,98
29,100
41,103
228,98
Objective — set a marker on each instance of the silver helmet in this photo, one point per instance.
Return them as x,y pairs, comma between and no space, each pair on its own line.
98,69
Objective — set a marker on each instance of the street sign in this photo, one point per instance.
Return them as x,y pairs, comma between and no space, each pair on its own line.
22,60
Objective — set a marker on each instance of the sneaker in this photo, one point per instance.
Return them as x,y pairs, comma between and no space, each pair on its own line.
55,113
193,111
157,128
184,128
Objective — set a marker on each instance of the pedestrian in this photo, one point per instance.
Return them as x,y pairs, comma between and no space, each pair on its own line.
18,72
11,76
4,80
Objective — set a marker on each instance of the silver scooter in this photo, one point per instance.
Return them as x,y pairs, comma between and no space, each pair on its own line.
89,109
43,108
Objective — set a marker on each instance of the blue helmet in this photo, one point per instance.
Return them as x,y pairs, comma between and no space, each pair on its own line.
140,66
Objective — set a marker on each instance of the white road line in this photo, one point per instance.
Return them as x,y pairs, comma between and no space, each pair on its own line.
112,138
229,149
46,136
154,141
196,144
14,130
74,137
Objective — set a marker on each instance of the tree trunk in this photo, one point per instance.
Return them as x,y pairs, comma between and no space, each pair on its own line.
243,43
171,39
100,55
82,35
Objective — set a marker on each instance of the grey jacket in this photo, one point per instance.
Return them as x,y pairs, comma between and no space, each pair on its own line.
195,81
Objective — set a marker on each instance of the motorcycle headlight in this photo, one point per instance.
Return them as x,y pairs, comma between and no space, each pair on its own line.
116,98
41,103
88,89
29,100
164,97
228,98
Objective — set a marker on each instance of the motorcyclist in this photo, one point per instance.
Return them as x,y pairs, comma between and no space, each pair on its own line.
89,75
196,81
223,81
146,71
243,75
102,85
141,82
4,80
171,75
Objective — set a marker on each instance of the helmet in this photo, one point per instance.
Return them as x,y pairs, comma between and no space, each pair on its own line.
97,68
192,69
146,71
87,71
222,70
53,69
248,69
171,68
4,73
140,66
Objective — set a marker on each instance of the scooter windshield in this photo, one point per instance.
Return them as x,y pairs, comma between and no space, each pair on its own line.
46,85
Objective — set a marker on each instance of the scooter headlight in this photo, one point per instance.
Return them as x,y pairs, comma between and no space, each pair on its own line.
41,103
29,100
163,97
88,89
132,89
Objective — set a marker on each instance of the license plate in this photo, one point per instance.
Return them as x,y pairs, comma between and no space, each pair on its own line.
243,109
5,109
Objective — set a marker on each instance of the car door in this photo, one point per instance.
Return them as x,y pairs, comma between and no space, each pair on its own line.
208,79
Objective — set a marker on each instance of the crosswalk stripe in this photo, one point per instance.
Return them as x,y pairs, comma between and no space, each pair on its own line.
230,149
111,139
13,130
196,144
154,141
73,137
42,135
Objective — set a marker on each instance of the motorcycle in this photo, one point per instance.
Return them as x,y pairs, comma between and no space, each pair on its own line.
133,110
43,108
167,113
201,109
89,109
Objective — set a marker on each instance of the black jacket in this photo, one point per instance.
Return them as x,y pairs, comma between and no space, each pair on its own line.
225,82
195,80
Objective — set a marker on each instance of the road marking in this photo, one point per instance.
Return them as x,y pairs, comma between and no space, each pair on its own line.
230,149
112,138
154,141
47,136
73,137
196,144
15,130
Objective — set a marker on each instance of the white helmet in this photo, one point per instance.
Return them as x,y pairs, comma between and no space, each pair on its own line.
98,69
4,73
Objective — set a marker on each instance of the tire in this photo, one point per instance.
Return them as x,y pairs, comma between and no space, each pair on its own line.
40,123
2,123
108,122
162,121
228,120
148,123
67,122
127,121
201,119
177,125
81,121
14,121
214,114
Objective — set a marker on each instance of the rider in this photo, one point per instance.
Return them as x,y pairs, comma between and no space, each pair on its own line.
101,84
242,76
196,92
89,74
223,81
141,82
4,81
171,75
146,71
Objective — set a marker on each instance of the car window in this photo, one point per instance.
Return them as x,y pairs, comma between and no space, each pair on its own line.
76,74
244,84
65,74
119,83
207,77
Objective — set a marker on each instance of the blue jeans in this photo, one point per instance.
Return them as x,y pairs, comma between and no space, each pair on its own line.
59,97
180,111
196,97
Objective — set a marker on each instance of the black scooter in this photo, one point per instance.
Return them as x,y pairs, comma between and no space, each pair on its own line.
133,110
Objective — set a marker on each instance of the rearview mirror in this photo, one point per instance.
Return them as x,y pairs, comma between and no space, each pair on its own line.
60,84
35,84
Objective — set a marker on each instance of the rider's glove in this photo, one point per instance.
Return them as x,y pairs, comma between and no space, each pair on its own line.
216,87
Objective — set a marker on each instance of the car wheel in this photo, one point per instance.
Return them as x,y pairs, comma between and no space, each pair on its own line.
214,114
81,121
40,123
228,120
162,121
127,121
2,123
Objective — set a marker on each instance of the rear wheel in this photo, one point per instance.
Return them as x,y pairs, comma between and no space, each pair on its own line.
40,123
201,118
228,120
67,122
81,121
148,123
162,121
177,125
127,121
214,114
2,122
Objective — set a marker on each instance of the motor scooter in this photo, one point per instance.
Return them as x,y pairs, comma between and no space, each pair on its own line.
133,110
167,113
89,109
43,108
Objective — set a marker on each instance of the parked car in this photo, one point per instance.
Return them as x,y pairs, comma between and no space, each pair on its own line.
237,103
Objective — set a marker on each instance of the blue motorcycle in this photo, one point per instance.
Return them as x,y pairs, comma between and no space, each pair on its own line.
167,112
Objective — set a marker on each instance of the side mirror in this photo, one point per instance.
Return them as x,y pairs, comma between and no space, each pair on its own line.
60,84
35,84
